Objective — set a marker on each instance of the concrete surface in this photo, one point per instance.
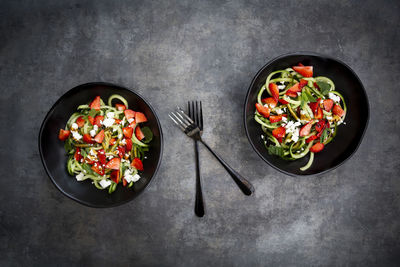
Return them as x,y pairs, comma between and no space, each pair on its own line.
171,52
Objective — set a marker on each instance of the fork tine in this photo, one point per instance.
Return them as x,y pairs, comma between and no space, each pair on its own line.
201,117
194,113
181,112
197,113
178,124
181,119
188,108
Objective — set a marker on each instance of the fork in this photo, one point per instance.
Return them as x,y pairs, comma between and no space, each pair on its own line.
191,129
197,116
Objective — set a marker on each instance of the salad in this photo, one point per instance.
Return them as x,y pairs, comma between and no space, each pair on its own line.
106,143
301,114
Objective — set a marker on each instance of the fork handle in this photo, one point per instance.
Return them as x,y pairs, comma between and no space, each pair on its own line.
199,203
244,185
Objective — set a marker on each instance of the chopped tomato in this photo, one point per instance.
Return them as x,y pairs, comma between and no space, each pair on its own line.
317,147
99,137
87,139
306,71
294,89
291,94
128,131
305,130
328,104
112,141
282,101
63,134
311,138
264,111
80,121
274,118
139,133
98,120
113,164
129,114
270,101
101,155
114,176
77,154
140,117
319,114
128,144
303,83
95,103
124,182
273,88
337,110
279,132
120,107
91,120
121,151
97,168
137,163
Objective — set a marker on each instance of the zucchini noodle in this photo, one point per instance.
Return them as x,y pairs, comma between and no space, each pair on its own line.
305,118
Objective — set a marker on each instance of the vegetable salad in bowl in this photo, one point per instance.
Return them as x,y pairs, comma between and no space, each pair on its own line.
106,143
298,113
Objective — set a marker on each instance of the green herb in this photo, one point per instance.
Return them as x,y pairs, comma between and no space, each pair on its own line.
92,113
275,150
310,96
83,153
324,87
68,146
323,136
148,135
87,168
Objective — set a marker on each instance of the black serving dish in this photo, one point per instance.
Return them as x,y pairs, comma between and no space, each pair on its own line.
348,137
54,157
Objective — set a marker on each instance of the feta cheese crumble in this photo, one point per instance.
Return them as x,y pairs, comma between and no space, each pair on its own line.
74,126
92,133
95,127
76,135
123,142
131,120
334,97
280,87
110,115
105,183
79,177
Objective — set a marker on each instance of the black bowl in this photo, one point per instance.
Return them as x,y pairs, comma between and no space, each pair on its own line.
349,136
54,158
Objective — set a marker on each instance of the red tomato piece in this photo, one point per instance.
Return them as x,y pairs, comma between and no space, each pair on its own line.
274,118
99,137
306,71
305,130
139,134
97,168
63,134
273,88
120,107
317,147
311,138
291,94
328,104
114,176
137,163
128,131
140,117
270,101
279,132
77,154
337,110
95,103
91,120
98,120
113,164
80,121
264,111
128,144
101,155
129,114
87,139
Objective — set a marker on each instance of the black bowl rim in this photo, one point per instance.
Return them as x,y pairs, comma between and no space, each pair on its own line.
88,204
304,53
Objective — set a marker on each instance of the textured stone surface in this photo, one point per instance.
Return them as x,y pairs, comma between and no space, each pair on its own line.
172,52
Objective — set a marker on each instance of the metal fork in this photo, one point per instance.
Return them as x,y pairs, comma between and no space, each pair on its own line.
196,115
191,129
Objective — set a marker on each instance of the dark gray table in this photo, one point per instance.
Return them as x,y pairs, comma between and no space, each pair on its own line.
171,52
